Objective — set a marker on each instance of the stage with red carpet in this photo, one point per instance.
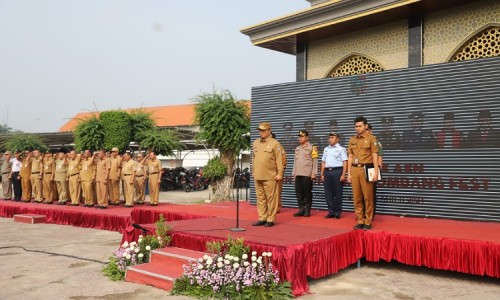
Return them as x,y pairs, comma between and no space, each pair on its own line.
302,247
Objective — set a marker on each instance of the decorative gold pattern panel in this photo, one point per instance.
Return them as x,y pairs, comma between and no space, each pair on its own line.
484,44
446,30
354,65
386,44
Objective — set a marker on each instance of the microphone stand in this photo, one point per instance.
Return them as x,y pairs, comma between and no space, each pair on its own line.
238,228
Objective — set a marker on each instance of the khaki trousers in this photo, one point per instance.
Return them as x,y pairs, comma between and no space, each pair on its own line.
279,188
48,188
6,186
140,189
102,193
88,191
26,187
75,190
114,190
267,199
128,189
62,190
36,185
362,196
154,188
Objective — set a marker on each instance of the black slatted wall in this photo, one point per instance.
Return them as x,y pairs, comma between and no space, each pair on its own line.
428,170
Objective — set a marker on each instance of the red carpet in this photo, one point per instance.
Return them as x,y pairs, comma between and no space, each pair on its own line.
302,247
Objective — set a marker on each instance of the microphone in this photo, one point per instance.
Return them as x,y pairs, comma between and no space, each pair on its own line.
245,134
144,230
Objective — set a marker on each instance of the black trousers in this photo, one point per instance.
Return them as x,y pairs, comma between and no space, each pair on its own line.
334,191
303,190
16,182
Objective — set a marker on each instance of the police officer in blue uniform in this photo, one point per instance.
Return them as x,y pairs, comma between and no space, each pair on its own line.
333,170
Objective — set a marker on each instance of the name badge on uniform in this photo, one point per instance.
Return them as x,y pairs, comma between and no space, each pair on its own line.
356,161
46,167
85,168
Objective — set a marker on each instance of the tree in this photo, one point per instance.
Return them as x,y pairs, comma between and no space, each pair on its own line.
117,129
89,134
162,142
24,142
140,121
4,128
222,121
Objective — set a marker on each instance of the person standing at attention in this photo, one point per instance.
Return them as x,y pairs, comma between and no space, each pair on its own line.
305,168
333,170
267,172
362,154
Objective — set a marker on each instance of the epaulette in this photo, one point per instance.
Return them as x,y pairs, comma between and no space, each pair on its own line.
314,152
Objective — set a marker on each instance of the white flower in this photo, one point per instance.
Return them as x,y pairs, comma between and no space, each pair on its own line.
219,265
269,254
148,248
254,252
133,244
236,259
220,259
125,245
200,260
244,256
140,240
128,256
137,250
254,265
236,265
227,261
206,257
141,236
140,255
264,254
254,258
159,238
259,261
227,256
131,248
209,261
200,266
246,264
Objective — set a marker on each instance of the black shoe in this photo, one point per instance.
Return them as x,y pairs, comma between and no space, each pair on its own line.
269,224
299,213
259,223
359,226
307,213
75,204
128,206
329,216
337,216
367,227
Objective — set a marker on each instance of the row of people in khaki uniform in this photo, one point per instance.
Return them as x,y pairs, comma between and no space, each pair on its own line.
93,177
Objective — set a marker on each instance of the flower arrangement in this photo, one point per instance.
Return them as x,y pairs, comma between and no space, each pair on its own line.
227,276
134,253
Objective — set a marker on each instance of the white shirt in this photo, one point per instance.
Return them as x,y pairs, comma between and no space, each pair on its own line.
16,165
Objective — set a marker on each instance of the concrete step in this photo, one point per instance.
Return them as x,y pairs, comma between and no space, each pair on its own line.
29,218
164,267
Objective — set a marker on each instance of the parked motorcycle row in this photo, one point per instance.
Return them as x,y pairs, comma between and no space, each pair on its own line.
182,178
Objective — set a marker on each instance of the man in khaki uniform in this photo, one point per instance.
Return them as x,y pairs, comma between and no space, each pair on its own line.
267,172
60,178
87,178
102,176
305,169
25,174
154,171
128,172
48,171
139,180
114,177
6,179
36,175
75,190
362,154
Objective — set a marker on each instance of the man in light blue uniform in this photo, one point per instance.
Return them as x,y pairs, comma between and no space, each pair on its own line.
333,170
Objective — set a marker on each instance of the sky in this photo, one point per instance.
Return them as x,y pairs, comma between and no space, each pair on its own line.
62,57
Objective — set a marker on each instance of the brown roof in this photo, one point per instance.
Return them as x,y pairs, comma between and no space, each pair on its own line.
164,116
